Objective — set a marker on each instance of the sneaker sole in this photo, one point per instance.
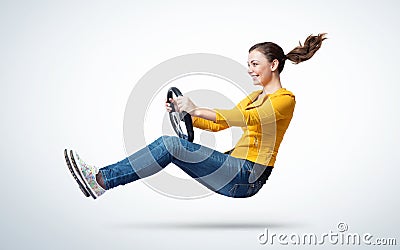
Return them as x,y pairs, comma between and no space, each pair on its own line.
81,175
81,186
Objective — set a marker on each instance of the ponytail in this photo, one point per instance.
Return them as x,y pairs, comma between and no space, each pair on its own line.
304,52
299,54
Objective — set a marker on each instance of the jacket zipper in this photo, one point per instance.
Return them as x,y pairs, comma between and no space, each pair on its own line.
255,141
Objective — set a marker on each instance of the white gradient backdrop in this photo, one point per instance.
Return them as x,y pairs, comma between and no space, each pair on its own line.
67,69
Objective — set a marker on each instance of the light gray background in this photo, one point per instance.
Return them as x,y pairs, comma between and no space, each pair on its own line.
67,69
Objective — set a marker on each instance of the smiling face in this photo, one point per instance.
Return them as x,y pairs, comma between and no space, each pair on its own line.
260,69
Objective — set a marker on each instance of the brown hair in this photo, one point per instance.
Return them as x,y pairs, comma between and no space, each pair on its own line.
299,54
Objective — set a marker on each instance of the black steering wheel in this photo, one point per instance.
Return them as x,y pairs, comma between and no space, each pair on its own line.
176,118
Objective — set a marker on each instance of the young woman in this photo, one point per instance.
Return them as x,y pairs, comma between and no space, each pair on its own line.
264,117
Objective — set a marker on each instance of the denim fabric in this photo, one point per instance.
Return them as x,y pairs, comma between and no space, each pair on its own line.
217,171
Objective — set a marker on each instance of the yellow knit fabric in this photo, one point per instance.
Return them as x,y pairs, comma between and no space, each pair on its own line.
263,121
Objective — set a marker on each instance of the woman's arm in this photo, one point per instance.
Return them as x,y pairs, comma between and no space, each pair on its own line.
185,104
203,118
270,111
205,113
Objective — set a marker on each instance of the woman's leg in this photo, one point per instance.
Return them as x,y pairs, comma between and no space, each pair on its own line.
219,172
133,167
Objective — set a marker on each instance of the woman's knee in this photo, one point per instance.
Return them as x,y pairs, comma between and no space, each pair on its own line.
170,142
166,139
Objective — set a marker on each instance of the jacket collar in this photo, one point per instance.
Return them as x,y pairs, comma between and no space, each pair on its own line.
254,102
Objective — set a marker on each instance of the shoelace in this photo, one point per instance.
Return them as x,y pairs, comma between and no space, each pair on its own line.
91,168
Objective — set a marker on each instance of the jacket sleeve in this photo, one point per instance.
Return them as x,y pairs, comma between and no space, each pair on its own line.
207,125
269,111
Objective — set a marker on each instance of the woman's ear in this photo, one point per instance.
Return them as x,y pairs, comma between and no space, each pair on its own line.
274,65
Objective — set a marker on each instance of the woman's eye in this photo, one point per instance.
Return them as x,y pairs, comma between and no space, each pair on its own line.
252,64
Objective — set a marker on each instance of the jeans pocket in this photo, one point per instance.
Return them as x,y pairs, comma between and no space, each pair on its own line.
243,190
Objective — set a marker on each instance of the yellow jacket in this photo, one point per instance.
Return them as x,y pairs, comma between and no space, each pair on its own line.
263,121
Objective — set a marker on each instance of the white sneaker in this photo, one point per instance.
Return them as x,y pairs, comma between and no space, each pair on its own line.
77,177
88,174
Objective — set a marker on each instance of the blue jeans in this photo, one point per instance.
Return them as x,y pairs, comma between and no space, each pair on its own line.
221,173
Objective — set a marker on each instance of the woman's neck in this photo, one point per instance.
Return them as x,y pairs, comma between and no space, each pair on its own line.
272,86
